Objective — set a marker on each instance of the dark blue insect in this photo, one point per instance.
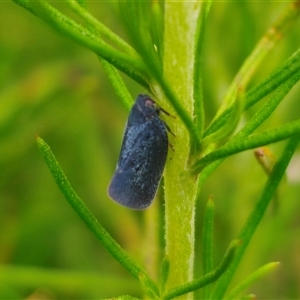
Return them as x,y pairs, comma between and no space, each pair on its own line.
143,156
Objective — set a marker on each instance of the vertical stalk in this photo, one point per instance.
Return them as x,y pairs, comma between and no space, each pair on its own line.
180,188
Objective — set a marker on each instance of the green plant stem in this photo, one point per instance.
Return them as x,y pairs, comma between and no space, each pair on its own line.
256,215
180,187
89,219
131,66
208,278
264,46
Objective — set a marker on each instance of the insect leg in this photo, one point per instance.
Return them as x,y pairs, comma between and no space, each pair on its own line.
168,128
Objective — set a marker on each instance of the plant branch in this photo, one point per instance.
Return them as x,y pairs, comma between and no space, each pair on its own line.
180,187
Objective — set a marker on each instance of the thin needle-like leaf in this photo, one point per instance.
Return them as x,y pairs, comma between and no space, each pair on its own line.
262,271
101,28
256,140
264,46
208,278
230,125
124,62
257,214
208,243
117,83
164,272
253,124
279,76
198,66
90,220
266,43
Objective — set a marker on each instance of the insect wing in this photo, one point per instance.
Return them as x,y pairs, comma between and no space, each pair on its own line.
136,124
141,163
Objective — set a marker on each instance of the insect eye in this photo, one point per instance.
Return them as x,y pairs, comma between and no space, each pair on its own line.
149,103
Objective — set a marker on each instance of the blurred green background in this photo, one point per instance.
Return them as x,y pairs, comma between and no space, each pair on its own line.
51,87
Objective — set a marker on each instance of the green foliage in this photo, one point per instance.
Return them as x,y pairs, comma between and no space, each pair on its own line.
178,53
